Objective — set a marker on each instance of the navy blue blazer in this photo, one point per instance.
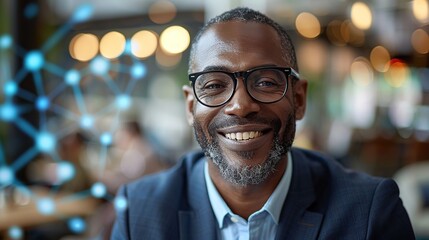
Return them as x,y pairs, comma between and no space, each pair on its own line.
325,201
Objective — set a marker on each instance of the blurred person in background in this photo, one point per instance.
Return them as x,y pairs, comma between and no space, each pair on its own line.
248,182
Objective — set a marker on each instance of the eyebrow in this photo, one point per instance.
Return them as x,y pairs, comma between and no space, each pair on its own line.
223,68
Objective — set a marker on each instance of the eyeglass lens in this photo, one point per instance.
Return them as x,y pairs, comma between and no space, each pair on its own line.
264,85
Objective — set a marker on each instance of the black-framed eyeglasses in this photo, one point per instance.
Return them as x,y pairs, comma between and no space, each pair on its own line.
214,88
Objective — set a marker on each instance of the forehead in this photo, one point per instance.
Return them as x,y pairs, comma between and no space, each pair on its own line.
238,46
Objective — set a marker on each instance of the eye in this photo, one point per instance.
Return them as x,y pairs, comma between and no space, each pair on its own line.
266,82
214,85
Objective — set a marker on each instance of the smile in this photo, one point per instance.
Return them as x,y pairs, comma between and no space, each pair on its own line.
243,136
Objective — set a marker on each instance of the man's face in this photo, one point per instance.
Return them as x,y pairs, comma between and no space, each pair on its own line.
245,139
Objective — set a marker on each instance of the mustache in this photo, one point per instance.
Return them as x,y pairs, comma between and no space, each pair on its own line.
226,121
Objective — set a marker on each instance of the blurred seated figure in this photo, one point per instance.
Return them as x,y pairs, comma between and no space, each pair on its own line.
133,157
413,182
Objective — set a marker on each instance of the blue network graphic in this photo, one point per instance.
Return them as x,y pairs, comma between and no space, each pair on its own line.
46,103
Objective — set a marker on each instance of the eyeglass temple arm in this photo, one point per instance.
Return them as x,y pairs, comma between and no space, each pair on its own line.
294,73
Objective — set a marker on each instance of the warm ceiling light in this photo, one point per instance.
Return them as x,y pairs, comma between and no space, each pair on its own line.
361,15
307,25
112,45
83,47
144,43
421,10
175,39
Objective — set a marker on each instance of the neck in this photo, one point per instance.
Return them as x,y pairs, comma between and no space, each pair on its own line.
245,200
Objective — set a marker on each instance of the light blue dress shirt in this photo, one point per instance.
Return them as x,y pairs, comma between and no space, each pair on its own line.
262,224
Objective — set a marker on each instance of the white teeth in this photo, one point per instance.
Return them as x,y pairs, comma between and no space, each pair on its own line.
240,136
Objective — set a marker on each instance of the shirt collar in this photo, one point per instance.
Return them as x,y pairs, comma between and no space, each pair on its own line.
273,205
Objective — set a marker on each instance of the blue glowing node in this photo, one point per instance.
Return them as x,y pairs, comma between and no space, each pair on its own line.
123,102
46,206
65,171
5,41
83,13
86,121
45,142
100,66
128,47
8,112
10,88
106,139
98,190
120,203
72,77
42,103
15,232
34,61
77,225
31,10
6,176
138,70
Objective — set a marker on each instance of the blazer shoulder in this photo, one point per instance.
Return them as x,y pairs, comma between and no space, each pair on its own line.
166,183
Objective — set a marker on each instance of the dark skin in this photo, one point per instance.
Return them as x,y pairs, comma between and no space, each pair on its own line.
239,46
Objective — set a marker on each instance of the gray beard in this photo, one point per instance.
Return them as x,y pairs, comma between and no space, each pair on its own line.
247,175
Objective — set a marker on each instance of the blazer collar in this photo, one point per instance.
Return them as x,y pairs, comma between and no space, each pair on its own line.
297,221
199,222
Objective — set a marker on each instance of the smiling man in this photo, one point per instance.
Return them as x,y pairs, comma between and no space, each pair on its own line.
244,99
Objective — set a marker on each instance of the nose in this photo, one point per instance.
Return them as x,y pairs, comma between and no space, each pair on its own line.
241,104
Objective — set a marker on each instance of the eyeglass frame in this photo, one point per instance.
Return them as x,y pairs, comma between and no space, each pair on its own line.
288,71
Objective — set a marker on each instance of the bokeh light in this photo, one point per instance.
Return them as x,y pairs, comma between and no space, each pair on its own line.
420,41
112,45
307,25
361,15
421,10
380,58
161,12
144,43
175,39
166,60
84,47
397,74
361,72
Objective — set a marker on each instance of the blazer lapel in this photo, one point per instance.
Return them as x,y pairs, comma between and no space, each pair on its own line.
296,220
199,221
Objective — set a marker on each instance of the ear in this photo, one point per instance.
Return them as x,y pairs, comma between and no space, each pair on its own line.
300,98
189,102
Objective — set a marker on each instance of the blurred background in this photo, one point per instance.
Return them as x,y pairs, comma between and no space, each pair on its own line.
90,98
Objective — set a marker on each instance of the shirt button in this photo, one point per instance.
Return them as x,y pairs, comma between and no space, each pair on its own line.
234,219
